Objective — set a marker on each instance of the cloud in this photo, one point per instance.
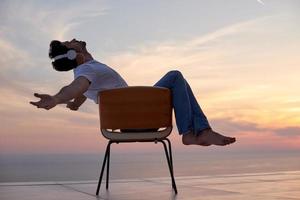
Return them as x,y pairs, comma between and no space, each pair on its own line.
213,57
232,126
11,55
288,132
47,19
261,2
236,127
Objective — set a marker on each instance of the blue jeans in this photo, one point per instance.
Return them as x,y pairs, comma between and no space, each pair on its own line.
188,114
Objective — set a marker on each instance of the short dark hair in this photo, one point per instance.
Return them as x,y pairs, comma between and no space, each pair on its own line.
63,64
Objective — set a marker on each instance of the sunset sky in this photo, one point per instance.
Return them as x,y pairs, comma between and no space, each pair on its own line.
241,59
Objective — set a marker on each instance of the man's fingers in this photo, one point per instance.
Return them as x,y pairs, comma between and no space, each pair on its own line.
39,95
71,106
74,108
38,104
36,95
34,103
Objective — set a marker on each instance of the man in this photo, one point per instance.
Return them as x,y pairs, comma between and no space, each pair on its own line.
91,76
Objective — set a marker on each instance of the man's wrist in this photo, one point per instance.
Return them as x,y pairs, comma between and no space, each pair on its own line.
56,99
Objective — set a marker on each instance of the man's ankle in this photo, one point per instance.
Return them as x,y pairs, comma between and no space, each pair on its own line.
204,131
187,132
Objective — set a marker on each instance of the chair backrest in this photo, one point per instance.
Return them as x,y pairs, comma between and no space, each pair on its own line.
135,107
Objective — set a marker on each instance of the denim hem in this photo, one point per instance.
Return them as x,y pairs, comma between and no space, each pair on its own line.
186,132
198,132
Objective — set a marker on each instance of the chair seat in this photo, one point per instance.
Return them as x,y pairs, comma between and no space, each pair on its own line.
136,136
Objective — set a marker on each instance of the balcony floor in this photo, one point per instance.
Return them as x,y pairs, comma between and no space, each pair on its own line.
258,186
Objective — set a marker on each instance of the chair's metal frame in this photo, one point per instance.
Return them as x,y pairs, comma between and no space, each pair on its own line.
168,152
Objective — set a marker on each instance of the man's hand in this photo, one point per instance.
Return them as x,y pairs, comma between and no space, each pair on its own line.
46,101
73,91
72,106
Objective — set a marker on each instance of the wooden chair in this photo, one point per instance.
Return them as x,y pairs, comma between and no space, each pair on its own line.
136,114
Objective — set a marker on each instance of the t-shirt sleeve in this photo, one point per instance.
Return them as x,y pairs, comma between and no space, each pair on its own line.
86,72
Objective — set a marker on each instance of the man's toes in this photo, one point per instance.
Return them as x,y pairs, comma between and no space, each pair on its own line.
229,140
232,140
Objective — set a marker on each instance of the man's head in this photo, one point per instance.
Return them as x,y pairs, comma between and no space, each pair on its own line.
67,55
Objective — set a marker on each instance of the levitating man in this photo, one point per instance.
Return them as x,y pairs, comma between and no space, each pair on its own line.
91,77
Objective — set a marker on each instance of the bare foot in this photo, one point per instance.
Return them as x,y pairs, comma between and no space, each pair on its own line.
207,137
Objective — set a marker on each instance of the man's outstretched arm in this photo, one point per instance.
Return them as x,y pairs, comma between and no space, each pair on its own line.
72,91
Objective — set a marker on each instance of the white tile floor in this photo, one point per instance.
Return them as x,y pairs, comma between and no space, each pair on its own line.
258,186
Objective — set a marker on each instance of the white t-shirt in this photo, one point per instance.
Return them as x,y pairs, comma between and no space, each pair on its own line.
101,76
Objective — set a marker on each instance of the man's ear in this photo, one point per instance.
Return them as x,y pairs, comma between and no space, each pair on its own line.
80,58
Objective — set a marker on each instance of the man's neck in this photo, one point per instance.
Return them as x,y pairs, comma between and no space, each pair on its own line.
88,57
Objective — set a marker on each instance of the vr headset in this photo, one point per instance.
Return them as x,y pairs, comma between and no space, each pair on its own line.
71,55
63,62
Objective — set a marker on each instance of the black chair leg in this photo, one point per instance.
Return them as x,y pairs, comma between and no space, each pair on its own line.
170,166
170,151
103,165
171,160
107,168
